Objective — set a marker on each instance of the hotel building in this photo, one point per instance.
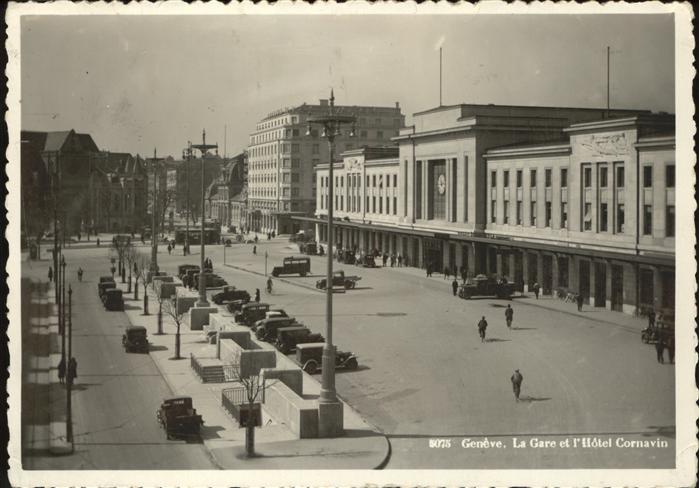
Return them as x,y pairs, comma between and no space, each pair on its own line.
282,158
576,200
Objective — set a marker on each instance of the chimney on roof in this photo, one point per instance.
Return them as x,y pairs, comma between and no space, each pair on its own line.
323,102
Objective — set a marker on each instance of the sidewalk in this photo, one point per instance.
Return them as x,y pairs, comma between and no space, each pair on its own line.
277,448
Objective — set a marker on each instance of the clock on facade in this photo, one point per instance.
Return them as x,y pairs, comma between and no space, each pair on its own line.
441,184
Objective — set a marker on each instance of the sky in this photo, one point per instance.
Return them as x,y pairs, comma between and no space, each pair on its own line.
136,83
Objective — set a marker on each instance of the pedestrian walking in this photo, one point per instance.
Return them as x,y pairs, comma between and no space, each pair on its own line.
62,371
113,270
169,249
393,260
454,286
579,301
72,371
254,249
536,290
274,234
98,242
400,260
78,236
257,295
50,273
660,349
671,347
651,319
446,272
80,274
428,271
384,259
256,239
509,313
482,325
516,380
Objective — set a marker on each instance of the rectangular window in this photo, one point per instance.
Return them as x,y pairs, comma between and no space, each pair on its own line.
564,215
363,134
388,181
380,205
506,209
294,192
532,214
532,178
294,177
506,179
620,218
367,180
670,221
547,178
647,220
603,217
373,181
395,205
587,177
519,213
366,205
587,217
295,163
373,204
294,148
647,176
619,180
285,163
493,211
285,177
564,177
315,148
395,181
547,207
493,179
519,178
295,132
379,134
670,177
603,177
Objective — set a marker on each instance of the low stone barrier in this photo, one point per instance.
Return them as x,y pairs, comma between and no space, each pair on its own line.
199,317
293,378
285,406
185,299
252,358
166,289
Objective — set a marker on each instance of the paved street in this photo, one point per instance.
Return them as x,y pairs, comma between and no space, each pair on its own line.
116,394
424,374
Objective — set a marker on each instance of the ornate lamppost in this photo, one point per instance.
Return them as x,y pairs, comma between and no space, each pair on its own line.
203,148
331,125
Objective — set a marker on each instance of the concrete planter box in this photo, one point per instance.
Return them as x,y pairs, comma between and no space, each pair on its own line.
199,317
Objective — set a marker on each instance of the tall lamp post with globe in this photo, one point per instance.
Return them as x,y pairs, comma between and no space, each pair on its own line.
330,421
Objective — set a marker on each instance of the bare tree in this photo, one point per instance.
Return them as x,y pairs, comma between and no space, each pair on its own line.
170,309
120,246
253,386
130,255
141,268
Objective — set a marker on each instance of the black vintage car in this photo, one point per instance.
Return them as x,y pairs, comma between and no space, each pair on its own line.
293,265
135,339
179,418
266,330
310,358
367,261
113,300
102,287
289,337
183,268
228,294
212,281
346,256
251,313
483,285
237,305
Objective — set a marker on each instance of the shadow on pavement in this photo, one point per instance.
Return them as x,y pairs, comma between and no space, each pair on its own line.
524,328
530,399
361,367
153,348
209,432
495,339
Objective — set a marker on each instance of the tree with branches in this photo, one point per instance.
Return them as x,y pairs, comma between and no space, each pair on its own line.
130,256
141,267
120,246
169,306
253,385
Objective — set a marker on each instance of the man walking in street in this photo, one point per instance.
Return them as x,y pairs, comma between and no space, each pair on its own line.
257,295
509,313
62,371
536,290
516,380
50,274
660,349
579,301
671,347
482,325
72,370
455,286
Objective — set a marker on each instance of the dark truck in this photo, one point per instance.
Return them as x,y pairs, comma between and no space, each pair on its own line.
310,358
113,300
339,280
135,339
228,294
266,330
483,285
178,417
251,313
212,280
310,248
293,265
289,337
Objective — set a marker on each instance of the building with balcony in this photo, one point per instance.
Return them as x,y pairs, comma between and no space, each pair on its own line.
282,158
576,200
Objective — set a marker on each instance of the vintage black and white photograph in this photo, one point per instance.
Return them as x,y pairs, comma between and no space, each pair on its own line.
257,242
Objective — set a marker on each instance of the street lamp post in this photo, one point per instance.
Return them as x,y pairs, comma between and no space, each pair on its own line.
188,159
331,125
154,223
69,383
62,308
203,147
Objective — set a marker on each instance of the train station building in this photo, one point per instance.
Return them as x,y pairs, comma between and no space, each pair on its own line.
577,200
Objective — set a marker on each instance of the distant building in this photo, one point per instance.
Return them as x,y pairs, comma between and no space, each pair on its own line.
281,181
577,200
223,190
188,186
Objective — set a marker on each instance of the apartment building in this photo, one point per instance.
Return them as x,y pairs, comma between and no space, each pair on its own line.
282,158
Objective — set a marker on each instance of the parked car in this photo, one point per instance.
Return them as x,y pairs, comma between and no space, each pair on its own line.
310,248
310,358
113,299
339,280
266,330
346,256
228,294
188,277
251,313
289,337
183,268
269,314
237,305
483,285
293,265
178,417
135,339
106,279
212,281
367,261
102,287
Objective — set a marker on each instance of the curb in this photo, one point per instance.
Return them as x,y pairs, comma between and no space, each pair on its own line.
386,458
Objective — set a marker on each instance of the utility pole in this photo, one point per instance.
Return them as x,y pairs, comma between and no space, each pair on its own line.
154,230
203,147
608,53
69,383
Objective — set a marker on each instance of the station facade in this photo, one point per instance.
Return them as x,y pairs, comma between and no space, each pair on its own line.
576,200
